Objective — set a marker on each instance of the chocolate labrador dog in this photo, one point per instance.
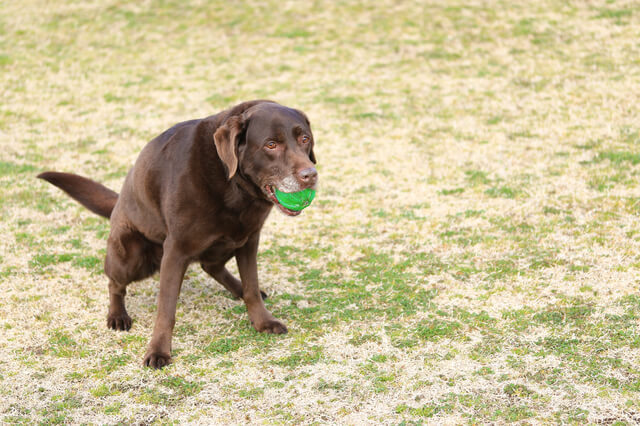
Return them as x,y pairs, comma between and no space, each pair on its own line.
199,192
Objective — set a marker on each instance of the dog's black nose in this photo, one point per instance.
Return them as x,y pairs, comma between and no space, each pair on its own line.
308,175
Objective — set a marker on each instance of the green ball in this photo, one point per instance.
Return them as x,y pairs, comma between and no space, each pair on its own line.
295,201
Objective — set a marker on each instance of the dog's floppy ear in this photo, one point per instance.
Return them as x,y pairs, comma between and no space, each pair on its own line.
312,156
226,141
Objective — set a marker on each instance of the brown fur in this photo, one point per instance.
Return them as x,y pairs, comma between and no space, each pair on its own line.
199,192
94,196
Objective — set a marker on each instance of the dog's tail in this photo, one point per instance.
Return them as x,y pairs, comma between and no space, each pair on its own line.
94,196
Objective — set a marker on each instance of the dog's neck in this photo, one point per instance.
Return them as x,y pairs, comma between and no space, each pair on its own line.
246,185
240,189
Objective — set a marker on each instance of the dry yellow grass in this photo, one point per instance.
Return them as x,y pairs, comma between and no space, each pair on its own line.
471,257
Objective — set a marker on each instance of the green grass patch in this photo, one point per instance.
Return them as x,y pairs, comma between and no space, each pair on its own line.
618,157
303,357
223,346
9,169
437,329
503,192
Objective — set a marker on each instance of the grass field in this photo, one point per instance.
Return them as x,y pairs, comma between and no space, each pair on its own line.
472,256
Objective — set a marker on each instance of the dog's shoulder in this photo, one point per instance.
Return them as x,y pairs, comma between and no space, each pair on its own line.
170,132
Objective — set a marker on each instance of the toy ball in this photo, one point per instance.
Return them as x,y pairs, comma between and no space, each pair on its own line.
295,201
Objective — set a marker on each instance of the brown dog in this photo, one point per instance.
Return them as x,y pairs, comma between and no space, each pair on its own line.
199,192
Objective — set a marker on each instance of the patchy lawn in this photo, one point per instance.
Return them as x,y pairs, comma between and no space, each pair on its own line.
472,255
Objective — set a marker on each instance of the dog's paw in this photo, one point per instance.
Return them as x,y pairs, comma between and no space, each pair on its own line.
156,359
272,327
120,321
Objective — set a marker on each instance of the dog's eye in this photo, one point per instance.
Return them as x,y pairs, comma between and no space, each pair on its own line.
305,139
271,145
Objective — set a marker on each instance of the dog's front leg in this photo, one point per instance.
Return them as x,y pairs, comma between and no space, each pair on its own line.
260,317
172,268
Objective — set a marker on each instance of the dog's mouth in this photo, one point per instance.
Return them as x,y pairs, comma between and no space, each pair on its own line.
272,196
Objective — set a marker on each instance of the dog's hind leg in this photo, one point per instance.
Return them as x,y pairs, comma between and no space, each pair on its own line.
224,277
130,257
118,318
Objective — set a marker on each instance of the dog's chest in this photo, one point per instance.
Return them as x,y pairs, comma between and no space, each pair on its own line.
231,230
234,235
223,248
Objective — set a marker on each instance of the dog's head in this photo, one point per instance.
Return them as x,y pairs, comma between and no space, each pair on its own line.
270,145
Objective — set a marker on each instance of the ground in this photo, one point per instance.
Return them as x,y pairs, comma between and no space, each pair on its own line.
472,254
